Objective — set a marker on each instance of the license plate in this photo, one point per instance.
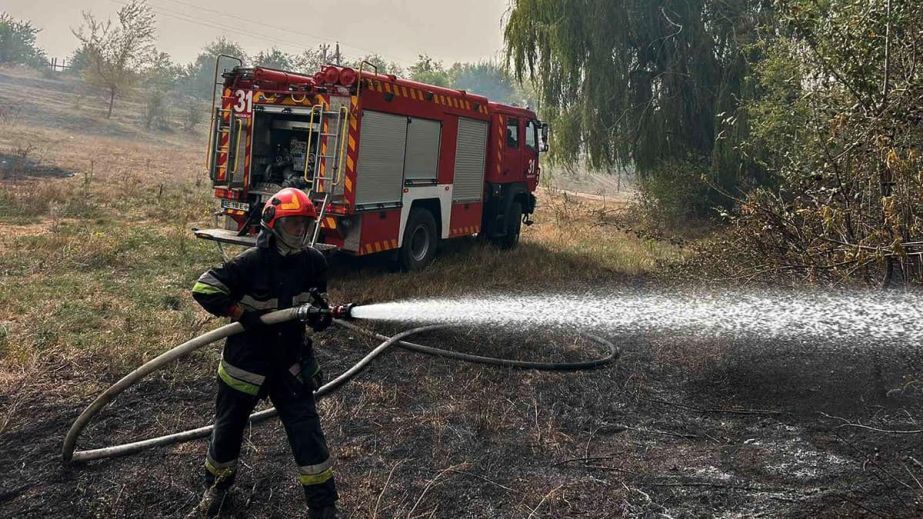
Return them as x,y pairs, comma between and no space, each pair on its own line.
231,204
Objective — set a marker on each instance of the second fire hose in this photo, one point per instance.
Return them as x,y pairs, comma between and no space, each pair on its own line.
70,454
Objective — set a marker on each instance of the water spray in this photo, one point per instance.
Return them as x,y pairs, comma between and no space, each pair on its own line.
341,314
829,316
832,317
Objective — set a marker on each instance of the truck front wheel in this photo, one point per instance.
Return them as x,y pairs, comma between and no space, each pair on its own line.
513,227
420,241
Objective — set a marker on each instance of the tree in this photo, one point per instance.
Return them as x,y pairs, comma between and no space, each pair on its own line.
427,70
160,78
17,42
274,58
384,66
635,81
198,77
311,60
525,94
485,78
117,52
78,61
160,72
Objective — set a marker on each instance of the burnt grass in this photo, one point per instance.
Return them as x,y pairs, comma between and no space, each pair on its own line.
677,427
21,165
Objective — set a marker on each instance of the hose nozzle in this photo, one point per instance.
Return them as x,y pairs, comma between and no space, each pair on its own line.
309,311
343,311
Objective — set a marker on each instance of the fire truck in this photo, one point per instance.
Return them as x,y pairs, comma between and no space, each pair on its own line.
393,165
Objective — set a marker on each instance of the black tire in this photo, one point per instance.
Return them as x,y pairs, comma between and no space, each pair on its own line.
421,239
513,227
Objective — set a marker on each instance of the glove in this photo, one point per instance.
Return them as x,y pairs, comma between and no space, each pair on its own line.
319,321
251,322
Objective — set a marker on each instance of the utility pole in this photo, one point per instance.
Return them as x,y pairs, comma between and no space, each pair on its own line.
338,54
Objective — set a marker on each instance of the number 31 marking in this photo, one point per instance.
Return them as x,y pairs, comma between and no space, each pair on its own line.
244,102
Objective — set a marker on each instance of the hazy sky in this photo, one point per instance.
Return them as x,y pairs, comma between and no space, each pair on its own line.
396,29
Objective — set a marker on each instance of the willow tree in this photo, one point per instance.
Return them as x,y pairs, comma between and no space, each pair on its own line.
653,84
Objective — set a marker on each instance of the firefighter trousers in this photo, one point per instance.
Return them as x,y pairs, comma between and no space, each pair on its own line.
298,413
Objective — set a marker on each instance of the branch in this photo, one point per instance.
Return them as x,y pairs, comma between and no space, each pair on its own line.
826,66
722,411
884,88
847,423
431,482
586,460
671,22
540,503
385,487
913,476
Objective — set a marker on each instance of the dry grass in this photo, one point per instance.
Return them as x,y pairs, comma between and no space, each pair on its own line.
84,256
571,246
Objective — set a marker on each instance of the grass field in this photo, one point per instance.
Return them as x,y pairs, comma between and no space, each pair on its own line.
115,238
96,263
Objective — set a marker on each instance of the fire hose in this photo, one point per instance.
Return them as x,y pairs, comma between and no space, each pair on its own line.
70,454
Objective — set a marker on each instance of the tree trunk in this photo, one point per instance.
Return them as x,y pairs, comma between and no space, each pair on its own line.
111,102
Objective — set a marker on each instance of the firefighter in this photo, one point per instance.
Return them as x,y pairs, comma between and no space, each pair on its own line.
275,361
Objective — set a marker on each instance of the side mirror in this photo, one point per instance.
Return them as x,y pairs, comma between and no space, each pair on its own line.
544,146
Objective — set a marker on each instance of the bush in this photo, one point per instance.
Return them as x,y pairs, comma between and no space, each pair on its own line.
156,111
837,121
193,114
675,192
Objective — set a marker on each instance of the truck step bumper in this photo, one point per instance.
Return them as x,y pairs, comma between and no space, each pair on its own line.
231,237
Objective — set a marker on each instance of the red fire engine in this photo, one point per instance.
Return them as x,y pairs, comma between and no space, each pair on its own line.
392,164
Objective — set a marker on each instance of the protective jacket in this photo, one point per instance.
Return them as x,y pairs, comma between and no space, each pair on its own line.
262,280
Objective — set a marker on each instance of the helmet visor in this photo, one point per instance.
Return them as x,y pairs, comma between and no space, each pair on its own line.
294,230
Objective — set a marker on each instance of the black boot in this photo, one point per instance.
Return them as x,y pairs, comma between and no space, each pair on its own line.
214,501
329,512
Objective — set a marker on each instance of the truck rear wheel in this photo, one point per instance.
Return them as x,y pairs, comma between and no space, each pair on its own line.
513,227
420,241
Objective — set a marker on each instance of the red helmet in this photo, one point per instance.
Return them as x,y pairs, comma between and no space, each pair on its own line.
290,216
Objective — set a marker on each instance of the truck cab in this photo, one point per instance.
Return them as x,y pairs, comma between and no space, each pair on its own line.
512,172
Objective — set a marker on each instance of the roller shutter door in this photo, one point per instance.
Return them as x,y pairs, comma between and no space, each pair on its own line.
422,157
380,168
470,152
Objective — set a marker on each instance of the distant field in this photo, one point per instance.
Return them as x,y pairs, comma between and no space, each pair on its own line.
63,102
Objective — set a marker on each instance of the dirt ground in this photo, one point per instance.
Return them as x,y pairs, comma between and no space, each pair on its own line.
675,428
